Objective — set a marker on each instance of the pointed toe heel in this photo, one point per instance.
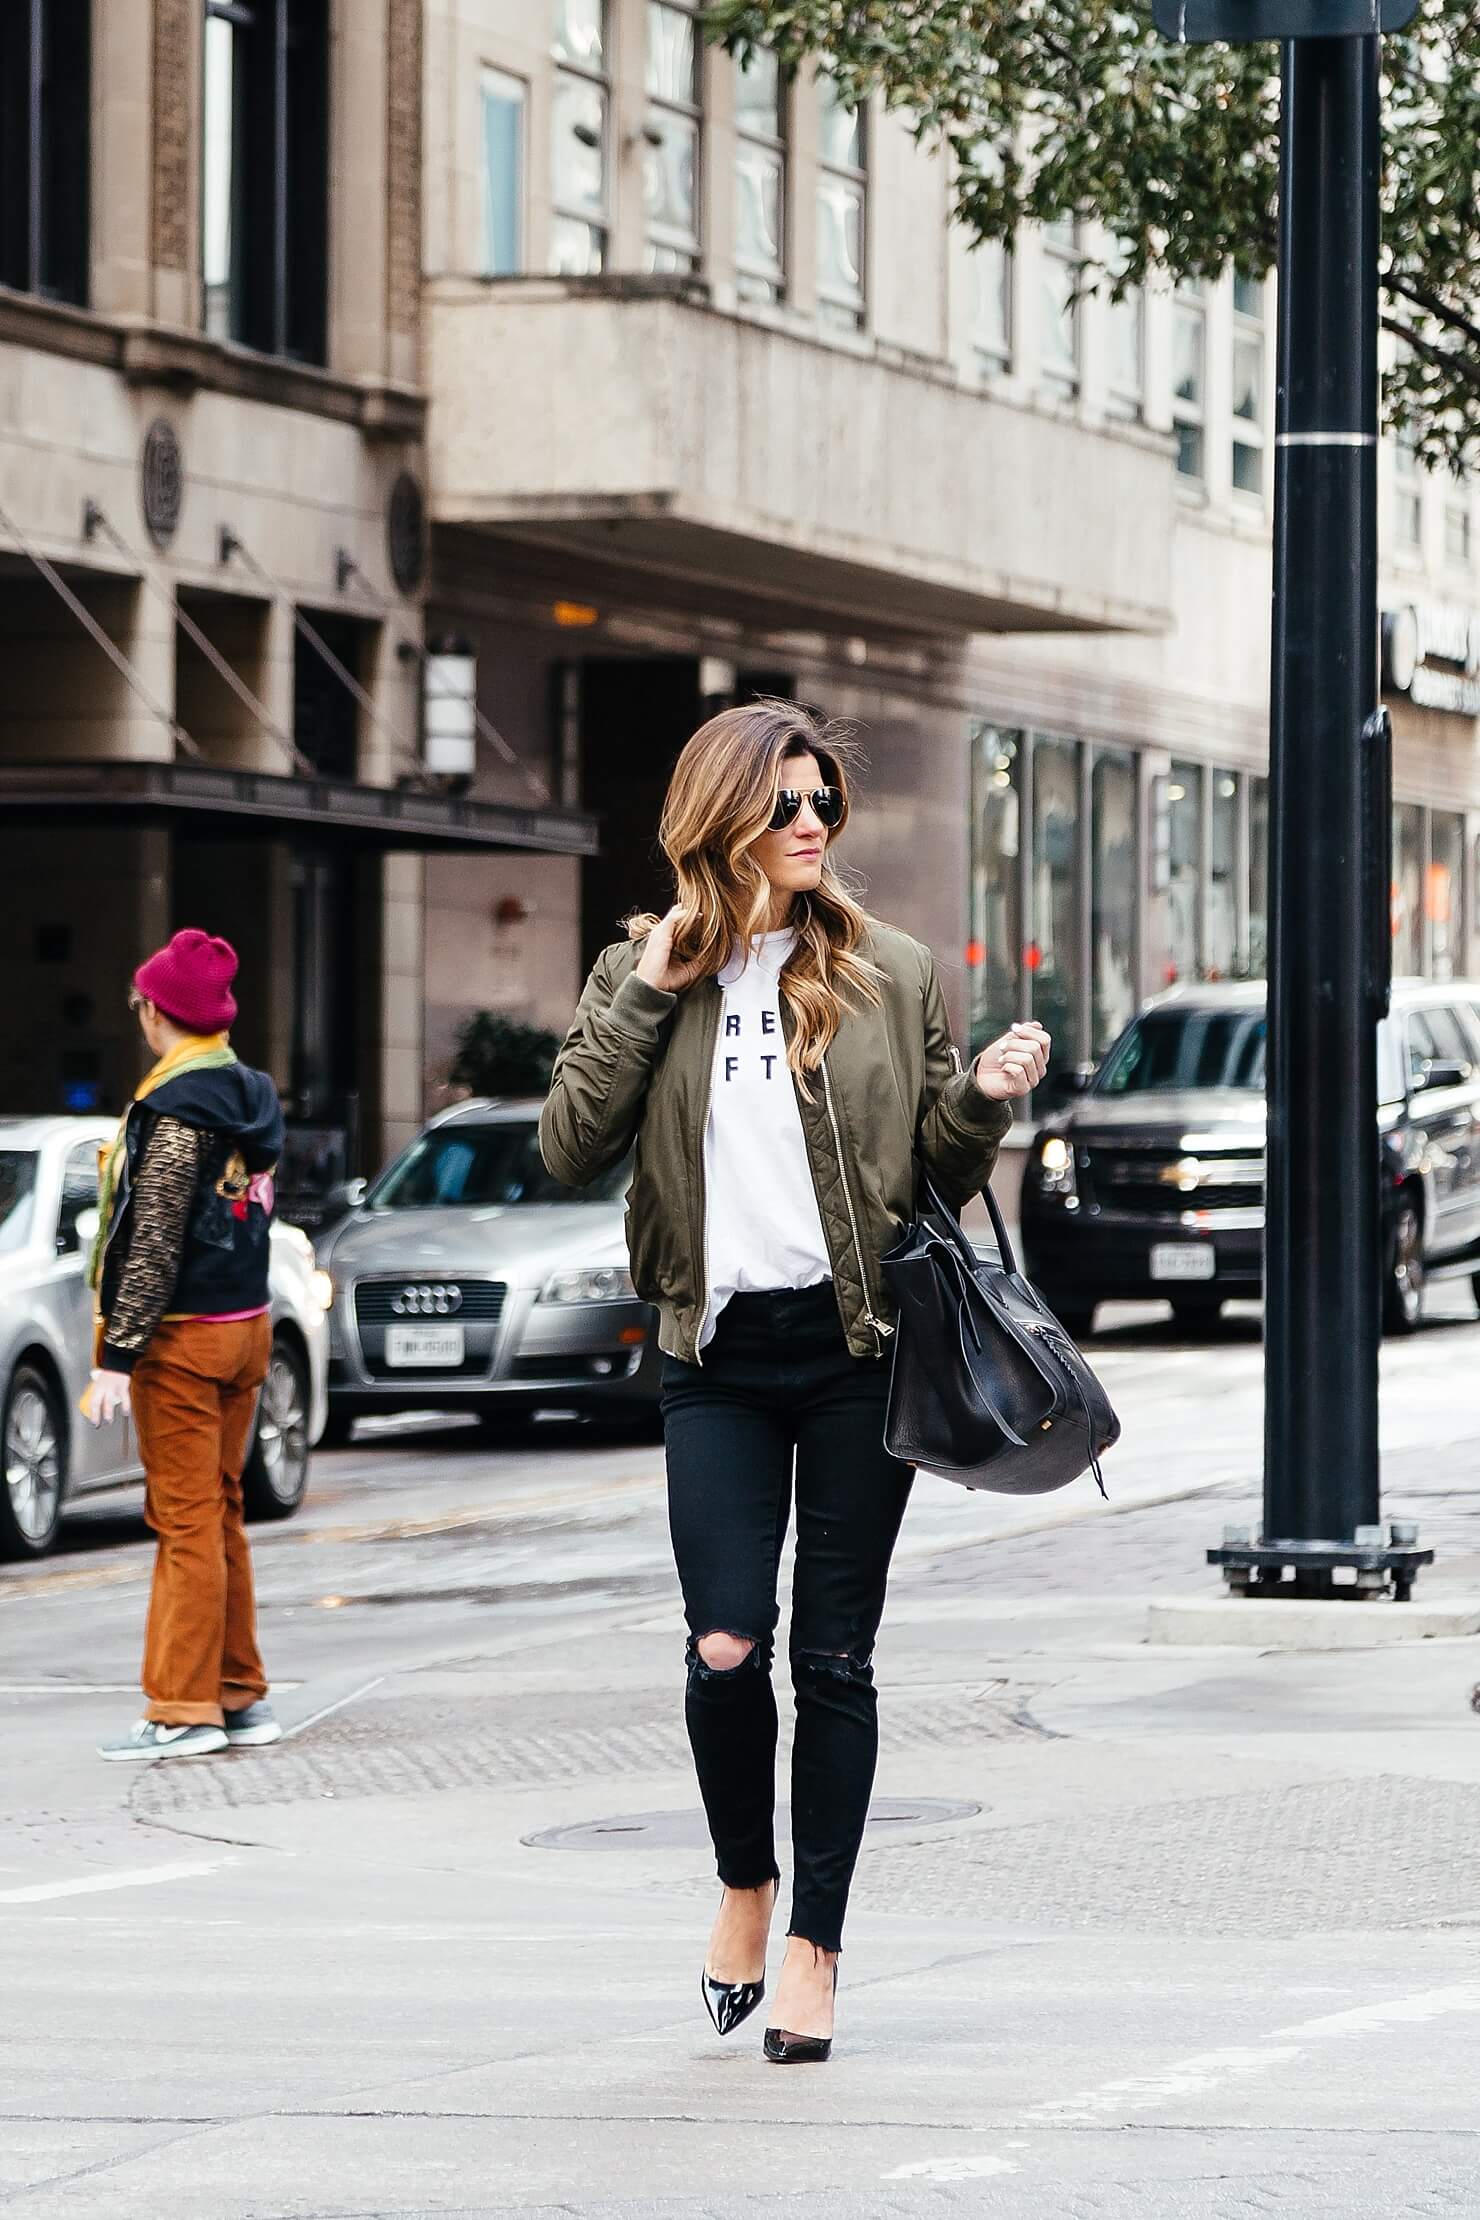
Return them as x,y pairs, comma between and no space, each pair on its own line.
729,2002
784,2049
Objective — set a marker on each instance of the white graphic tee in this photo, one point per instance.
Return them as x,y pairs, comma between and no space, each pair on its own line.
762,1226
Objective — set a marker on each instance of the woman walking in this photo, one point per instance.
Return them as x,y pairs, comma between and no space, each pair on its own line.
781,1060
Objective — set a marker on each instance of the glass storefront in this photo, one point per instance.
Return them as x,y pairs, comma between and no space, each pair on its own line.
1444,894
1408,890
1053,955
1097,881
1226,890
1258,948
1114,896
1184,895
994,945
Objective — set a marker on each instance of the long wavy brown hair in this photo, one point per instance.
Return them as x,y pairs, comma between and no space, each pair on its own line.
719,803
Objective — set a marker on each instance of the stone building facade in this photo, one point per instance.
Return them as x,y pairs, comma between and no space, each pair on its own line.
722,401
332,329
213,546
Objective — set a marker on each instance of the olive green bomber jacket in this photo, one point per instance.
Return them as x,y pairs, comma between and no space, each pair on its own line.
636,1065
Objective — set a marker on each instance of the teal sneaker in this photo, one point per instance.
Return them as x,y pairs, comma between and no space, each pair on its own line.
148,1738
252,1726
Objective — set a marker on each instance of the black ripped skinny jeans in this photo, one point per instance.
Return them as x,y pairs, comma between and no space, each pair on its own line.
778,1392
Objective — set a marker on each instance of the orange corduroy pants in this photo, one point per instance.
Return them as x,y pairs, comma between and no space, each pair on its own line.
194,1394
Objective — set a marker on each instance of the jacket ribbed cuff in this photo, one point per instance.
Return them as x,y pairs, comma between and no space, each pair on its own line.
639,1009
981,1111
113,1359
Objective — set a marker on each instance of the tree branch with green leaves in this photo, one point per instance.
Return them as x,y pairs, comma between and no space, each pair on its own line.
1079,109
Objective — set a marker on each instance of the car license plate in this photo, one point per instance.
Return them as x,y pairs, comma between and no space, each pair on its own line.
437,1347
1183,1260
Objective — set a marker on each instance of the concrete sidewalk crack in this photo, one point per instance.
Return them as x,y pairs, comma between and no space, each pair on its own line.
188,2131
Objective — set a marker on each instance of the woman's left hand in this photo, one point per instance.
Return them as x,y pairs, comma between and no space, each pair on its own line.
1015,1064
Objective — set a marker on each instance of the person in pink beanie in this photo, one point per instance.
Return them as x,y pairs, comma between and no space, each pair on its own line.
179,1270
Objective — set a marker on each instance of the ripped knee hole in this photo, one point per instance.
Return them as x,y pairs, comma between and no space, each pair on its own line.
847,1665
723,1653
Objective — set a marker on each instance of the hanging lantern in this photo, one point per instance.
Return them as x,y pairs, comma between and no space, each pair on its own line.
449,722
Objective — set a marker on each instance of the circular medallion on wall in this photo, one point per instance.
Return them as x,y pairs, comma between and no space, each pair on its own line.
161,481
406,533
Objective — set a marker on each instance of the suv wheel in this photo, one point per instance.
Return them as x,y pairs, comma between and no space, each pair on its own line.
33,1443
276,1474
1402,1292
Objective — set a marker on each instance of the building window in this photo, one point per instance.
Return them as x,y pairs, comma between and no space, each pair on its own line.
760,179
579,130
1457,543
1058,334
1184,919
1258,953
265,174
671,158
1444,894
842,211
1408,482
1248,386
994,949
505,104
1222,958
1125,347
991,306
45,96
1053,955
1408,890
1189,381
1114,887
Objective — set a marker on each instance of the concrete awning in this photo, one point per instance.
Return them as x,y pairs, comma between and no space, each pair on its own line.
847,486
242,803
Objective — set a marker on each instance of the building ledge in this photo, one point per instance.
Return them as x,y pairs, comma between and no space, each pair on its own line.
852,487
162,355
255,803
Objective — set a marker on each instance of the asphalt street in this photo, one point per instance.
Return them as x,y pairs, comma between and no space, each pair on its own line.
1139,1929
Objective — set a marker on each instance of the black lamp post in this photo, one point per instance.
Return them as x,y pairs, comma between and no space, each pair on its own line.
1330,809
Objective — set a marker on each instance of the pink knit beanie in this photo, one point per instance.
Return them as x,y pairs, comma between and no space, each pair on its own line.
190,981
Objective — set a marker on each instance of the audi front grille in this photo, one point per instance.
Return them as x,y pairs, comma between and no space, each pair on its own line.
404,1302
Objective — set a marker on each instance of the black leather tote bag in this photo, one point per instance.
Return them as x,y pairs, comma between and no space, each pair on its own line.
986,1387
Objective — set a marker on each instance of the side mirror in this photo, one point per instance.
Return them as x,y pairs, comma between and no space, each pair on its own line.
86,1224
348,1195
1438,1073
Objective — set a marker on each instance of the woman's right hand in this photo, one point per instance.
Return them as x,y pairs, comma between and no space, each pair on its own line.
657,964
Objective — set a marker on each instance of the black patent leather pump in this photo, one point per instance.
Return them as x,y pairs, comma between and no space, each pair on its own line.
786,2049
729,2002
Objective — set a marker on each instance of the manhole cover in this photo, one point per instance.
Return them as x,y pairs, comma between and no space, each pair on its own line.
686,1830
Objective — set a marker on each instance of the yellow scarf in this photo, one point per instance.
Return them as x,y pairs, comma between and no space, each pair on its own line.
196,1052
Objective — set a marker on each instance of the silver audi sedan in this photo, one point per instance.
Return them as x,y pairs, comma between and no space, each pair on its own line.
467,1279
52,1455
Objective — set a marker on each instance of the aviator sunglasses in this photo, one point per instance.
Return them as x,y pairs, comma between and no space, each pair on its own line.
827,806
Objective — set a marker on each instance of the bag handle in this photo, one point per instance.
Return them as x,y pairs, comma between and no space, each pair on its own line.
942,1209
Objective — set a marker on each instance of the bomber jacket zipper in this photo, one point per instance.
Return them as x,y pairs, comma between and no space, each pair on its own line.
702,1251
881,1330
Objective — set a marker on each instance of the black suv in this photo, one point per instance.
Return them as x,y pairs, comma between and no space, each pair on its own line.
1151,1182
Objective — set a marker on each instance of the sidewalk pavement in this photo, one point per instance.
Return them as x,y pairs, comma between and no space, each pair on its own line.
1137,1932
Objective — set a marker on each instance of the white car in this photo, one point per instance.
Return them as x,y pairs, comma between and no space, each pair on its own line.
52,1455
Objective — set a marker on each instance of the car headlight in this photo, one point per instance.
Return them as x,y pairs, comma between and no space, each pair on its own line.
606,1283
321,1286
1056,1165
